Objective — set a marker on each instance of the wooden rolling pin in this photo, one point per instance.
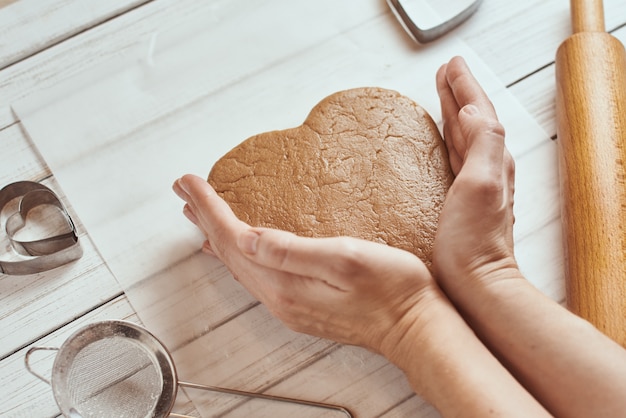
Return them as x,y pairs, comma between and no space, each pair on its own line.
591,116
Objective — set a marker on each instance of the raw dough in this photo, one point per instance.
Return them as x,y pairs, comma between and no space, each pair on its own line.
367,162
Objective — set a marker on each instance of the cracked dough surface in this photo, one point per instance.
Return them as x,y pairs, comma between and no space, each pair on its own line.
367,162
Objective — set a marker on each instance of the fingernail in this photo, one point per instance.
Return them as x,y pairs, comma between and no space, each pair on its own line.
470,109
248,242
183,185
178,189
189,214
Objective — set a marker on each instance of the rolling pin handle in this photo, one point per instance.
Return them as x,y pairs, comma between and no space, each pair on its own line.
587,16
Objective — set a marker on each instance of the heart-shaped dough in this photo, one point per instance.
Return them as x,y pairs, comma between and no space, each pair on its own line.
367,162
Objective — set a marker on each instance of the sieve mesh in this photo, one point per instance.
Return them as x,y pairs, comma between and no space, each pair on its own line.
114,377
118,369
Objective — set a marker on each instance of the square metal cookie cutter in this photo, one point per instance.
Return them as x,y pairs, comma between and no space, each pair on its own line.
425,35
42,254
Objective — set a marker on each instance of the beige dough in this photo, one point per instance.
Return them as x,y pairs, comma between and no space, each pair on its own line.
367,162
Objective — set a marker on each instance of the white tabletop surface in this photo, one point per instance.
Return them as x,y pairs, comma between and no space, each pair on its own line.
50,42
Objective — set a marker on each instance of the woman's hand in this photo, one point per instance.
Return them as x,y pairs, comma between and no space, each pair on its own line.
345,289
385,299
366,294
555,354
474,241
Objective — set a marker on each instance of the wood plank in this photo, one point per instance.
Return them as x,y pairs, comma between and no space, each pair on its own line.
33,305
30,26
135,28
19,160
546,270
537,94
537,91
537,176
365,383
536,189
165,102
56,296
509,61
236,356
511,56
23,394
164,303
368,385
542,25
60,295
232,342
518,38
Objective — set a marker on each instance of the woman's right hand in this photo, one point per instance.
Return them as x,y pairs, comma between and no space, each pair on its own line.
474,242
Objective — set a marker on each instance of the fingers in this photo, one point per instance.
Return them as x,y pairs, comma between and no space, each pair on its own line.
449,112
449,105
458,88
466,89
284,251
229,239
339,262
486,138
221,228
471,128
473,134
210,213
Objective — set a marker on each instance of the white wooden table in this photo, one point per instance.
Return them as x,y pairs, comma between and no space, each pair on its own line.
43,42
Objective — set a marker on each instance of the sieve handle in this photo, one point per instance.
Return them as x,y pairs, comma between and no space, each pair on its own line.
267,397
27,361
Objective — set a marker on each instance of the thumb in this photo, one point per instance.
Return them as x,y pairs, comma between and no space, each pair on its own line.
287,252
340,262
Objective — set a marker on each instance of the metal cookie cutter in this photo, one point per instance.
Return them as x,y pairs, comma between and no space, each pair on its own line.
43,254
425,35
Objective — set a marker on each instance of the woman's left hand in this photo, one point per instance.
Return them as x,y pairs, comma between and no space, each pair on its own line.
345,289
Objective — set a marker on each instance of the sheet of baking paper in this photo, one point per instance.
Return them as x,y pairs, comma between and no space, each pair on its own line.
117,137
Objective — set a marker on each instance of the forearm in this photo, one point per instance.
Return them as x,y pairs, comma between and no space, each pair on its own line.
567,364
448,366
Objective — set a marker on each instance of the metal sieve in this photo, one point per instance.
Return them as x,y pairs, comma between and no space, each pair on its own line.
117,368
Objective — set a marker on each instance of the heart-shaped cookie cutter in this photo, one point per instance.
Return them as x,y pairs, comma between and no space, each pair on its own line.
42,254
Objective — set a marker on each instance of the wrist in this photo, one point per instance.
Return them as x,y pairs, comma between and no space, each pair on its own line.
448,366
416,325
466,285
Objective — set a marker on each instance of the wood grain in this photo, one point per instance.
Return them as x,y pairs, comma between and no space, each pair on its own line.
48,41
34,305
591,109
587,15
23,395
57,20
